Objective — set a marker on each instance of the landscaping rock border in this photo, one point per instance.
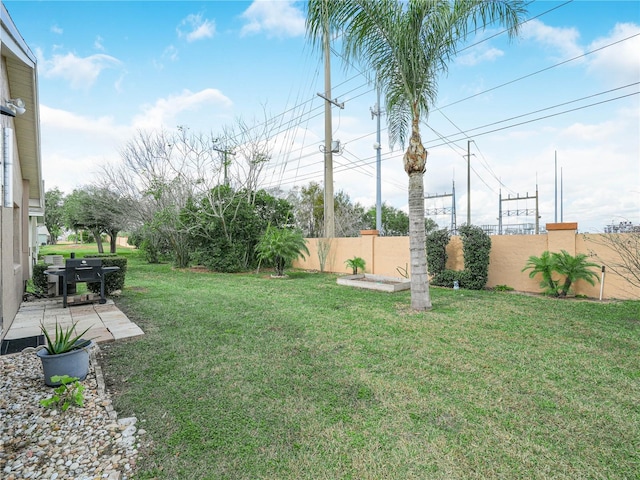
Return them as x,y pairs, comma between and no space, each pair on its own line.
83,443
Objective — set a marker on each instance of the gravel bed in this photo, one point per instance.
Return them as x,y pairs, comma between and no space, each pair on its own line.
82,443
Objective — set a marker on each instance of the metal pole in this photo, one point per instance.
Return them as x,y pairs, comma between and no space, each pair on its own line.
378,167
561,208
555,218
469,182
537,212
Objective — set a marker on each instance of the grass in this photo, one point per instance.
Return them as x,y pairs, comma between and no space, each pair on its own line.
247,377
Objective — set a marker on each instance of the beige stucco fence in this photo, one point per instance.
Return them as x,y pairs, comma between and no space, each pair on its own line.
389,256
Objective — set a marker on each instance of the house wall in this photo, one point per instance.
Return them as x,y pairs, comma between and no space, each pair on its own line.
389,256
14,228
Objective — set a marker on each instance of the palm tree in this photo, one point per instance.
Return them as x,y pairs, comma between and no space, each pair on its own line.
280,246
573,268
355,263
544,264
407,45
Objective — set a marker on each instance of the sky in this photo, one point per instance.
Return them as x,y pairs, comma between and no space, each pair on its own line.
556,109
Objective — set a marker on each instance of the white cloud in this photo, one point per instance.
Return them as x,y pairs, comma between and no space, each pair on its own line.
75,146
275,18
165,110
194,27
81,72
97,44
477,56
562,40
170,53
56,29
620,62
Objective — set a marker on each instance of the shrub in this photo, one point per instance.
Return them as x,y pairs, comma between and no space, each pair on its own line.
40,280
476,247
445,278
278,247
436,243
355,263
114,281
563,263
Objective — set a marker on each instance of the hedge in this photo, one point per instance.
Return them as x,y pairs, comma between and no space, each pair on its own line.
114,281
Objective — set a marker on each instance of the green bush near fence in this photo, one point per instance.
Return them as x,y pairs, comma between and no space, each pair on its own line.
113,281
40,280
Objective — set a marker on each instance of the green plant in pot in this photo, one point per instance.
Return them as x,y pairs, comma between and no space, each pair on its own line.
66,353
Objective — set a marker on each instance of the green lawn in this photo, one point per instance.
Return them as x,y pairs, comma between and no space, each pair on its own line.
248,377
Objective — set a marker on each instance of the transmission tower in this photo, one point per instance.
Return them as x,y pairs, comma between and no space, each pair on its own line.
445,210
517,212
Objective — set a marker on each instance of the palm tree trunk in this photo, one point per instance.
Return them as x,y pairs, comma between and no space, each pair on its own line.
415,160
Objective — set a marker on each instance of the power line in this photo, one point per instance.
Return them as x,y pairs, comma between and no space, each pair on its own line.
397,154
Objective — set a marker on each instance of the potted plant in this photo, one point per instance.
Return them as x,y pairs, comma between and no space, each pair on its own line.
66,353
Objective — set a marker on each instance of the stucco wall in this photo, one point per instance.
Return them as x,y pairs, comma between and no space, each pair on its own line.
509,254
13,232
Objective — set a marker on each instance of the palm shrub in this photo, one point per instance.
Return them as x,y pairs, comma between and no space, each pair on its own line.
280,246
564,264
355,263
543,265
573,269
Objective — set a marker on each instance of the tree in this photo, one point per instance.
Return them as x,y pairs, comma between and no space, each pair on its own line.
308,203
280,246
223,236
408,45
54,213
394,221
98,210
162,171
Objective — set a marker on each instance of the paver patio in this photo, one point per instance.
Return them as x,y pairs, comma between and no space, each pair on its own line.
105,321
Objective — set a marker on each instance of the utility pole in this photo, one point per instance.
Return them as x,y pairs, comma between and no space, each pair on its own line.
329,212
225,162
555,218
468,182
375,112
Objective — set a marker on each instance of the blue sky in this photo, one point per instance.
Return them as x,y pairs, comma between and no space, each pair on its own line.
108,69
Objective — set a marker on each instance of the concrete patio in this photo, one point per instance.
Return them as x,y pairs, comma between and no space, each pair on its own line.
106,322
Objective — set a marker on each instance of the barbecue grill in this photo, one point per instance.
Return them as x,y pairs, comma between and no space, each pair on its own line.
88,270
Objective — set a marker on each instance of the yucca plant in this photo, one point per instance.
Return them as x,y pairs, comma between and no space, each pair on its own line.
64,339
